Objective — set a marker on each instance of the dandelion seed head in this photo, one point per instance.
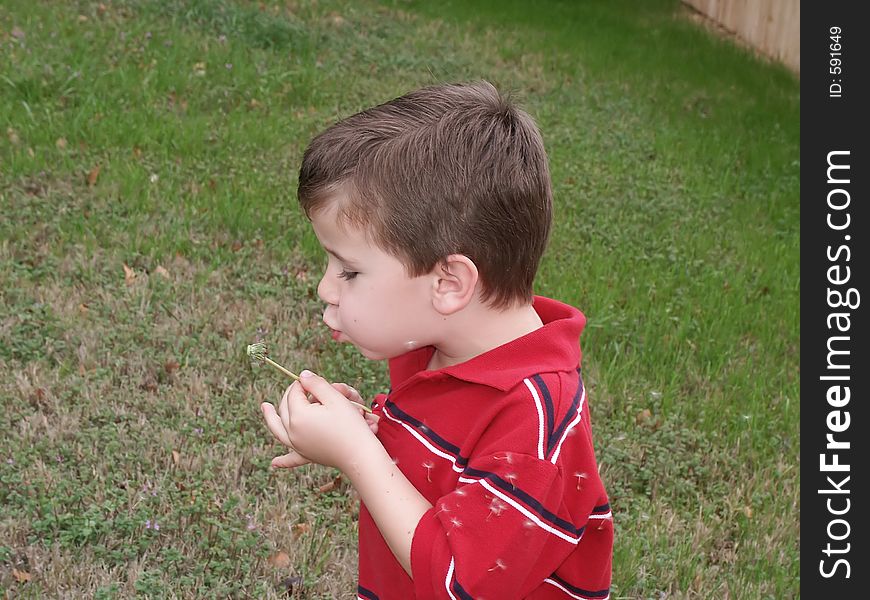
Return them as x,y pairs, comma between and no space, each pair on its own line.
257,351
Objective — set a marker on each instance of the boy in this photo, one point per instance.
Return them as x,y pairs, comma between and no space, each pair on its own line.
477,473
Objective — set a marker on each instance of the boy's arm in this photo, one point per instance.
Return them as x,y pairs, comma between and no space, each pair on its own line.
395,505
332,433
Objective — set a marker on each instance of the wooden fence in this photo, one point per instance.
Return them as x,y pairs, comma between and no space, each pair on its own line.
772,27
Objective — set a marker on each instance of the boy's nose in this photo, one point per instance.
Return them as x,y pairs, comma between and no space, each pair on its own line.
328,293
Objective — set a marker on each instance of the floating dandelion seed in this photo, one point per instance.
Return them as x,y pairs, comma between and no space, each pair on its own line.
259,353
496,507
454,523
507,458
499,564
429,465
579,477
512,477
441,509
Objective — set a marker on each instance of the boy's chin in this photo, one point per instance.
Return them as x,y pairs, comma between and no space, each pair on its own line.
379,354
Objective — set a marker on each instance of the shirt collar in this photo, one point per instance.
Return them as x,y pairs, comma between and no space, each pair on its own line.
553,347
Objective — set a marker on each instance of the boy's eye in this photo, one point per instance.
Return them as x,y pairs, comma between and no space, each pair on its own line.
348,275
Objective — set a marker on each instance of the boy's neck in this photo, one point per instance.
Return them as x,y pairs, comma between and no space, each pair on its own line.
478,329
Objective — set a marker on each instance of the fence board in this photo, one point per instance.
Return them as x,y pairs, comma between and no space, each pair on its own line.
770,26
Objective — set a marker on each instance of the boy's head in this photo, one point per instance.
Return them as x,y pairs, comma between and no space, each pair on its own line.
444,170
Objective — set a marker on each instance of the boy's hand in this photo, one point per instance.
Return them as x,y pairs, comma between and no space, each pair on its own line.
324,430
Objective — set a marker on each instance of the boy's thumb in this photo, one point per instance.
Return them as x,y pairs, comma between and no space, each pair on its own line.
312,383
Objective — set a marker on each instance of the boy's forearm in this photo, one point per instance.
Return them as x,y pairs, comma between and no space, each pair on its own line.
395,505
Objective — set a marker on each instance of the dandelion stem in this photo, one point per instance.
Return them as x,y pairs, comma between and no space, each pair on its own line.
258,352
271,362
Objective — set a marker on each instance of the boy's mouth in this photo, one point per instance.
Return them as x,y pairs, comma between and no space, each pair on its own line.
336,334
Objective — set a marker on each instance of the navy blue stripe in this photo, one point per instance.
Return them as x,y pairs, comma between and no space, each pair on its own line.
580,591
548,406
528,500
569,416
459,590
601,509
361,591
428,433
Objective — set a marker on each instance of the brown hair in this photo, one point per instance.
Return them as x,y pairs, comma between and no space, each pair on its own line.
448,169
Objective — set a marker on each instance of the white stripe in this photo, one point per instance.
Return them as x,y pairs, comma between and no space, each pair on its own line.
540,417
425,442
551,582
531,516
607,515
449,577
570,427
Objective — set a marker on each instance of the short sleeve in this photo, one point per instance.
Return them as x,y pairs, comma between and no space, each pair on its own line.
498,535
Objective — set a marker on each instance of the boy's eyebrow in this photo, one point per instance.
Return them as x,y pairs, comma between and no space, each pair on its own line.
337,255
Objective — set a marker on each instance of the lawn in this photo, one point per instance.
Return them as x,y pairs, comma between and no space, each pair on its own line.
149,231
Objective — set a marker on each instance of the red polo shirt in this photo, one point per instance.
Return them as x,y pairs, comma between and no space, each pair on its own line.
501,445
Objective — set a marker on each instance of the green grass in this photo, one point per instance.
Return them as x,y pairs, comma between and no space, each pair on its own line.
128,400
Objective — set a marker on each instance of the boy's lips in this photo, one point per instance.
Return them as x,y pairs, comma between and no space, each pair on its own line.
336,334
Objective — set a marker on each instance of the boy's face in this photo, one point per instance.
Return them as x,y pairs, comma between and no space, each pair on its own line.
370,300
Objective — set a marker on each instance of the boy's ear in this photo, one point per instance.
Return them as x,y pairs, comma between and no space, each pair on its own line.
455,283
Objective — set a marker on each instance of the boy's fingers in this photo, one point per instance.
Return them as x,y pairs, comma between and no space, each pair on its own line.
296,397
343,389
273,422
290,460
316,386
284,408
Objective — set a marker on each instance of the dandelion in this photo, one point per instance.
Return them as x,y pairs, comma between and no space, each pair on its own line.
259,353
